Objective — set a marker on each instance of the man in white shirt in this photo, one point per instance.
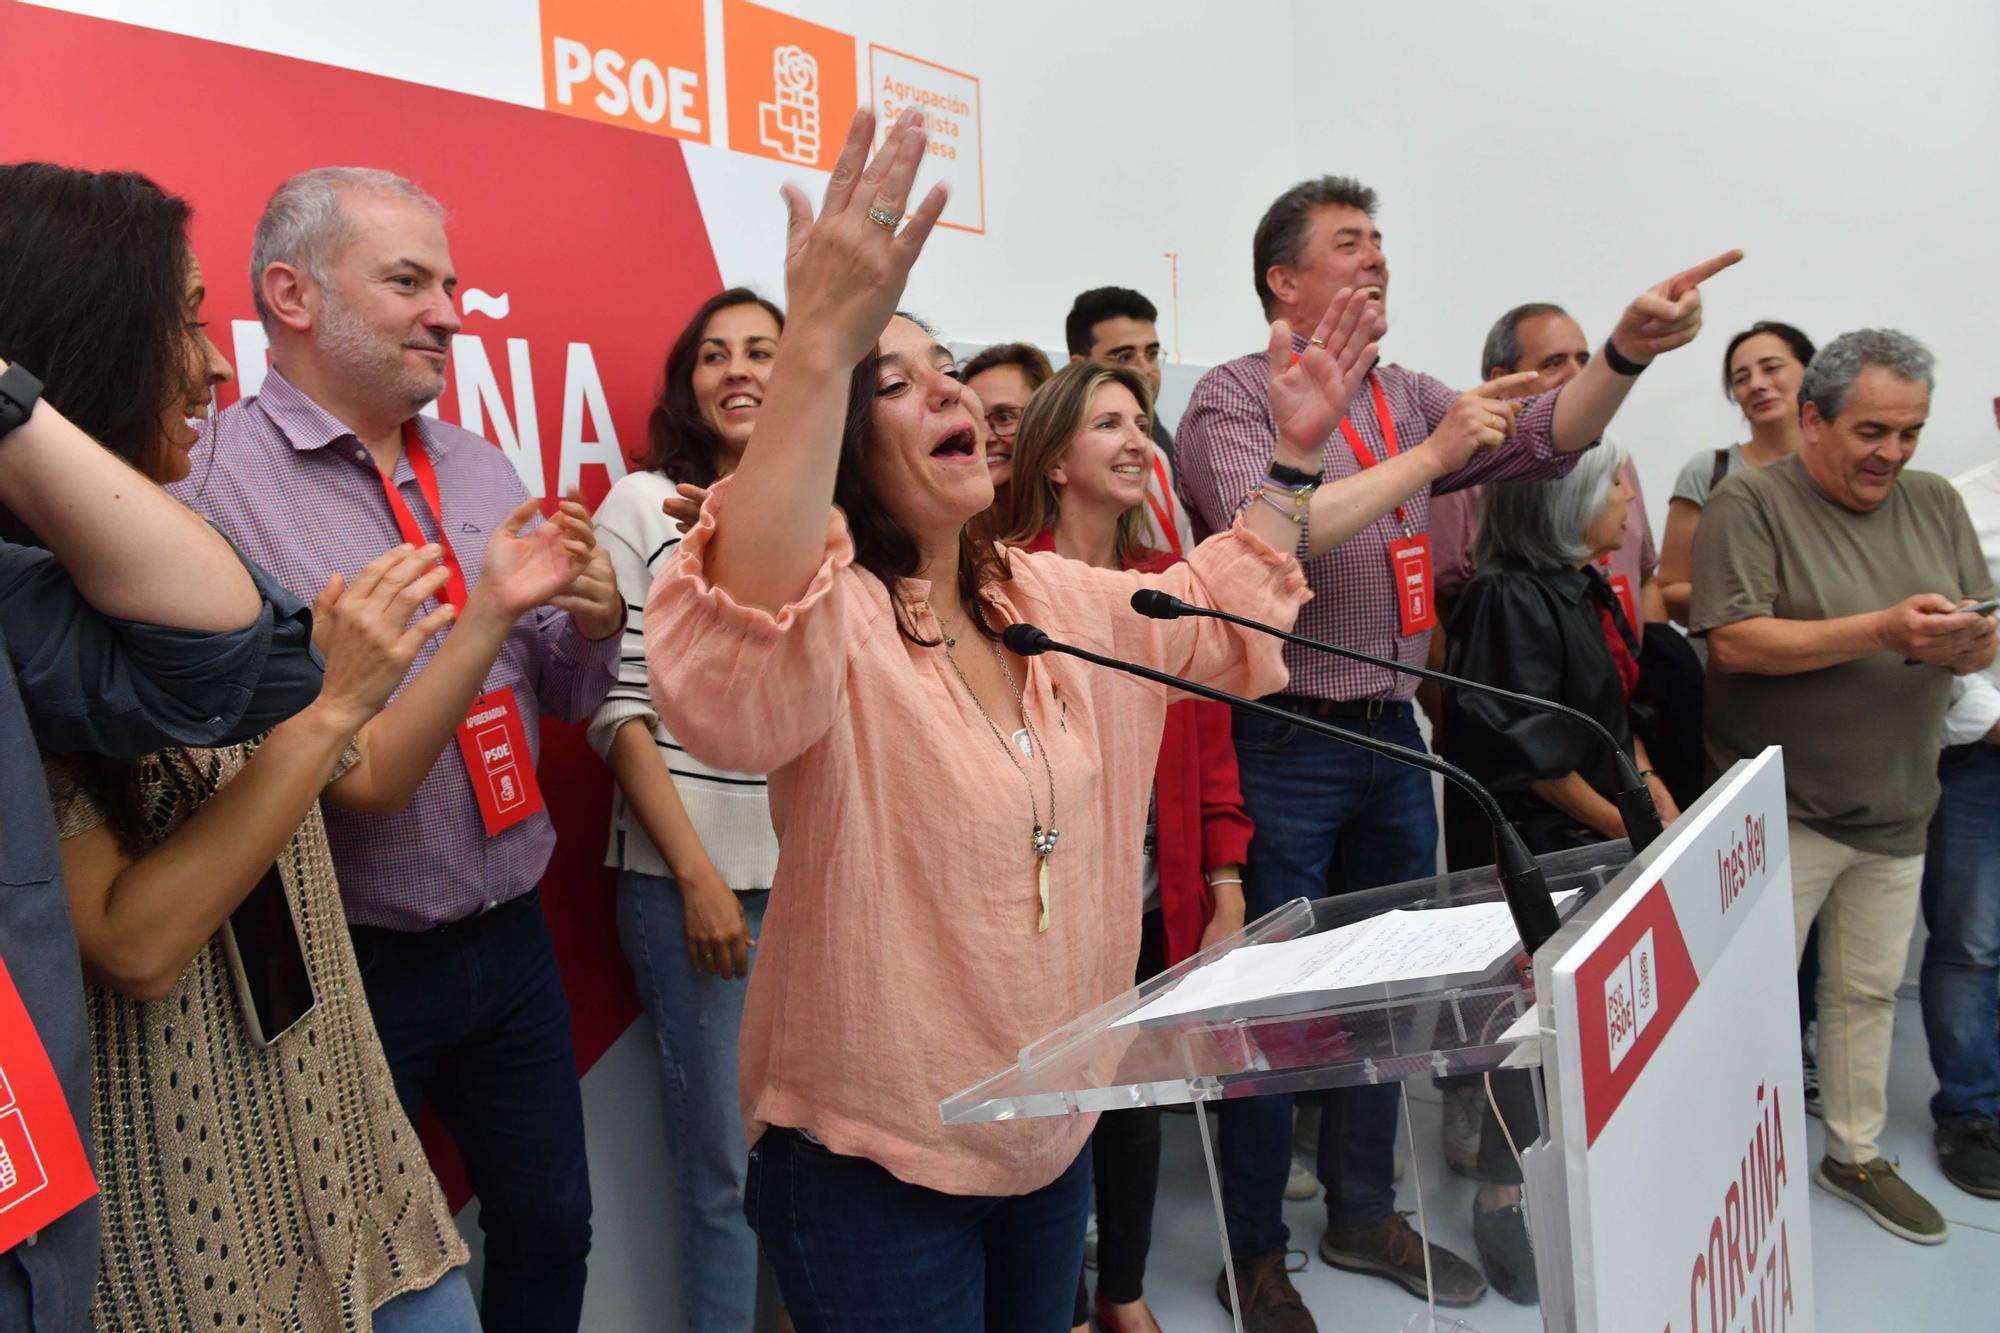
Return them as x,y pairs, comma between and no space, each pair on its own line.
1961,904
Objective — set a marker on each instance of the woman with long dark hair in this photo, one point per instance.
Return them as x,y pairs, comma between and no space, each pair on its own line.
692,845
254,1166
958,828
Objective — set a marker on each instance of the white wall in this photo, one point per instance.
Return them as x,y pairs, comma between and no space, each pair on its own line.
1576,152
1114,135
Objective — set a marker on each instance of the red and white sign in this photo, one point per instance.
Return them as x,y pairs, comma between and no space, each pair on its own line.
43,1170
1410,566
497,759
1675,1088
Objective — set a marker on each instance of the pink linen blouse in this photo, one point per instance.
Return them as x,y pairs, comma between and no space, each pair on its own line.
900,959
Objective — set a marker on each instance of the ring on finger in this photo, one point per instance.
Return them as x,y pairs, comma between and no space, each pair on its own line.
883,218
1317,342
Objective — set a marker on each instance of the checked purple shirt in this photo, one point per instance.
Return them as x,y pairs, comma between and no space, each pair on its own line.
297,493
1224,446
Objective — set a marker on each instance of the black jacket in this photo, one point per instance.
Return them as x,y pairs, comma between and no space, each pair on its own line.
1536,631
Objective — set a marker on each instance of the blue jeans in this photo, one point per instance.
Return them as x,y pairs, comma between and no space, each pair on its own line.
443,1307
1961,900
858,1251
698,1016
1330,819
473,1016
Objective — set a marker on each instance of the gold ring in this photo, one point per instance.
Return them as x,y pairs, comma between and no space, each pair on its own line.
883,218
1317,342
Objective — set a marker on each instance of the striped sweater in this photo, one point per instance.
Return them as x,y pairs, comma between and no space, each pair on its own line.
730,811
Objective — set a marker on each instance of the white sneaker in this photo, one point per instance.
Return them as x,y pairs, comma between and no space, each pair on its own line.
1303,1183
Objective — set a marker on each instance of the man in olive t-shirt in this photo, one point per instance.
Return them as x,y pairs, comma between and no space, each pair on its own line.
1815,580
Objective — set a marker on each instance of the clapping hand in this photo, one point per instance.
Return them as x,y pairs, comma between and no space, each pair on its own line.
522,571
1668,314
592,597
366,633
1310,392
845,270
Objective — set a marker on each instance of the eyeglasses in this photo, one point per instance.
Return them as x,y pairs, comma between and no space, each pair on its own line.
1004,421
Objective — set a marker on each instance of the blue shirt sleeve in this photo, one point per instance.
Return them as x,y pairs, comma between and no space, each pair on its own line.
89,682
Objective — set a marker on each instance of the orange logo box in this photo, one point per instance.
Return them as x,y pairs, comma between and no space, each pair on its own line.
639,65
791,85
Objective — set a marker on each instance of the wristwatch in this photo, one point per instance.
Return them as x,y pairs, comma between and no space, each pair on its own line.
19,391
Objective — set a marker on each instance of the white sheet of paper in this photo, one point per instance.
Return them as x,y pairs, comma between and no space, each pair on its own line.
1402,945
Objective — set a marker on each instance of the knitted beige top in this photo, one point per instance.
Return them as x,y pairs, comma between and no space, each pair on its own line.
246,1187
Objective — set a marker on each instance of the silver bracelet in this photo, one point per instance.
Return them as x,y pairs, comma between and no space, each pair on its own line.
1212,883
1291,514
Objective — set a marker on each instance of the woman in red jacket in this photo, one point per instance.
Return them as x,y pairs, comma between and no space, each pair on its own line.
1081,461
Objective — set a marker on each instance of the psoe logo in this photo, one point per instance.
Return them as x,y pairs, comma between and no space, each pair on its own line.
1631,998
789,123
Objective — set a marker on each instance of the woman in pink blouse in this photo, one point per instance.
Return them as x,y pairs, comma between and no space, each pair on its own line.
958,829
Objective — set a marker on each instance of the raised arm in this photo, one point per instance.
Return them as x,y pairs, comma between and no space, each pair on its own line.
1665,316
401,744
134,552
844,274
139,920
1477,420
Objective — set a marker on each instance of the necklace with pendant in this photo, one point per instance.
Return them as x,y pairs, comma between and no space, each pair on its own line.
1043,839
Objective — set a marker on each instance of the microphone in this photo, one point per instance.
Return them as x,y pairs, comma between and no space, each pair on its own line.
1634,801
1522,883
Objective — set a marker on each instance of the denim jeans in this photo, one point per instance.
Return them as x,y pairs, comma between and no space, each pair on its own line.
1330,819
1961,900
858,1251
473,1017
698,1017
443,1307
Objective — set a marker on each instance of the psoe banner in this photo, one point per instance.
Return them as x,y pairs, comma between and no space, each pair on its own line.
949,101
1679,1086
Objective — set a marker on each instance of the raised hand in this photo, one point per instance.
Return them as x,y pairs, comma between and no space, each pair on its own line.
1480,418
522,571
845,270
1668,314
1310,392
365,631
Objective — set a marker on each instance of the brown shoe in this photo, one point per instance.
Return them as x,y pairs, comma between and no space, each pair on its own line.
1392,1249
1271,1304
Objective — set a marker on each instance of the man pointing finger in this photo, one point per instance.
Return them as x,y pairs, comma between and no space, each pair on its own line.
1331,820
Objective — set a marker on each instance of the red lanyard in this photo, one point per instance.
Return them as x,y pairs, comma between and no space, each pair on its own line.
453,591
1163,512
1387,424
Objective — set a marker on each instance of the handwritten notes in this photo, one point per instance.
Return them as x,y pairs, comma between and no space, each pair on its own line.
1403,945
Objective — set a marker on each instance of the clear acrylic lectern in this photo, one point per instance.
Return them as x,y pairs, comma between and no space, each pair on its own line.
1452,1023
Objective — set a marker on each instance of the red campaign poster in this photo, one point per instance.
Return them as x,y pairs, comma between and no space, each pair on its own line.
43,1170
583,242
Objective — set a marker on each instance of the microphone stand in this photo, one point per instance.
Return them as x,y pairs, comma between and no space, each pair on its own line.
1634,801
1522,883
